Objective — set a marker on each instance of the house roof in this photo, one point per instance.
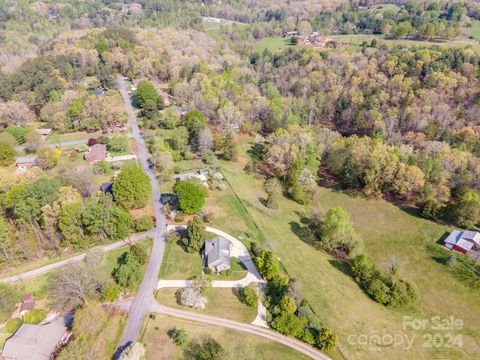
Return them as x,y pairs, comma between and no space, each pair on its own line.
217,251
472,235
97,153
44,132
34,342
453,238
26,159
464,244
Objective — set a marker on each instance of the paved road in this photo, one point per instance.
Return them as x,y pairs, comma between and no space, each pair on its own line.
252,329
47,268
144,299
62,144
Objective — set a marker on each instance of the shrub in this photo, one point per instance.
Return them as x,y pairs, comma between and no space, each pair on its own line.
289,324
379,291
326,339
143,223
363,269
34,316
13,325
179,218
179,336
430,209
248,295
208,271
110,291
206,349
139,254
7,154
267,264
102,140
402,293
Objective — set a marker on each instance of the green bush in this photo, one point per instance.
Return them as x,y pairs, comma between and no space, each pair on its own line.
179,336
379,291
143,223
110,291
326,339
179,218
13,325
208,271
34,316
248,295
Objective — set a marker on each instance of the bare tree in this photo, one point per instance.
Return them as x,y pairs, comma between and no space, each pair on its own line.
72,287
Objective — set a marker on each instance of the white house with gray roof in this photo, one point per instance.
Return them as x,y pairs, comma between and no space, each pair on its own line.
217,254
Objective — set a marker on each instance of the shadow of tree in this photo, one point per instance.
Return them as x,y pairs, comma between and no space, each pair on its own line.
341,265
304,233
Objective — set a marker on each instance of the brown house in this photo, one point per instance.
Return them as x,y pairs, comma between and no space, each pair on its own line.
97,153
28,303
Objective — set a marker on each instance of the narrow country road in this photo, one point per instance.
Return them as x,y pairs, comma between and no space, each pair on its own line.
62,144
47,268
143,301
269,334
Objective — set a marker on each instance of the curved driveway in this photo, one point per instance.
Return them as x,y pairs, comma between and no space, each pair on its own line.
269,334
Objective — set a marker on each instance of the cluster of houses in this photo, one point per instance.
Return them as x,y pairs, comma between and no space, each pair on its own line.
35,342
315,39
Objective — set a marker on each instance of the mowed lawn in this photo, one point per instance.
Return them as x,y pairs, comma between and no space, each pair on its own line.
336,298
273,44
221,302
474,30
178,264
160,347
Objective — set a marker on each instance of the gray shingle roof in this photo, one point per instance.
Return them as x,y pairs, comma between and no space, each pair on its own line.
217,251
34,342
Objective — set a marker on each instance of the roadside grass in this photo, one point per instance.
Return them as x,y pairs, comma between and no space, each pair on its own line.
222,302
160,347
274,43
178,264
326,283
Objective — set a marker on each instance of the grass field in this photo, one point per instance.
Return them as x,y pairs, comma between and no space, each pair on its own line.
222,302
279,43
359,39
334,296
474,30
273,44
160,347
385,7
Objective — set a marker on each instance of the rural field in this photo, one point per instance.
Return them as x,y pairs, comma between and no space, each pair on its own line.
387,231
160,347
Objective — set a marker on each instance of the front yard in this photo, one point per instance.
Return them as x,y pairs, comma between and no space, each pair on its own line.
222,302
237,344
